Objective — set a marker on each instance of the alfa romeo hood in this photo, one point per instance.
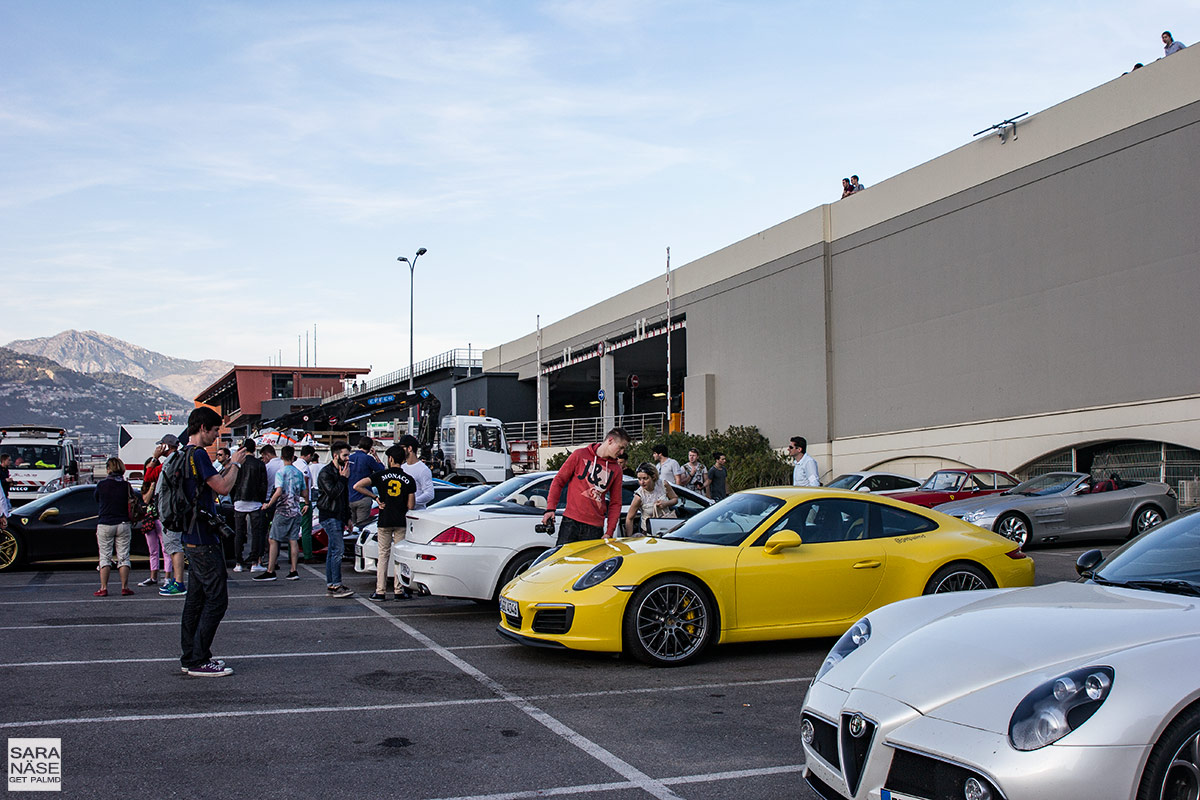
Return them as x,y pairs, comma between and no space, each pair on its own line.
1013,633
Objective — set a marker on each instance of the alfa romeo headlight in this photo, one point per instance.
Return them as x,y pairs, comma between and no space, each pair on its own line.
1059,706
598,573
851,640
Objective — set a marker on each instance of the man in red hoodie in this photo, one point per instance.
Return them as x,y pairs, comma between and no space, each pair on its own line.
592,479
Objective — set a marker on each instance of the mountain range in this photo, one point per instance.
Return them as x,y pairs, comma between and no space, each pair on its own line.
38,391
91,352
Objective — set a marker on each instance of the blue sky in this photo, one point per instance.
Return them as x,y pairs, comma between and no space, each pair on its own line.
211,179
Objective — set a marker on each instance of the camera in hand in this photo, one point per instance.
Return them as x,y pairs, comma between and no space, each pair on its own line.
547,527
216,523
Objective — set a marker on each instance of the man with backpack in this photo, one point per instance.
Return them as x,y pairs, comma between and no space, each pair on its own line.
208,594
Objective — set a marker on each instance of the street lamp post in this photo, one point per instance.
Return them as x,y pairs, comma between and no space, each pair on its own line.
412,268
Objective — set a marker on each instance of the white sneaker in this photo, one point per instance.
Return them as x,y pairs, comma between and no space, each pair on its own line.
258,568
237,567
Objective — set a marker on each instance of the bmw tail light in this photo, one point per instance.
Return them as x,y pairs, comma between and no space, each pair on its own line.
1016,554
454,535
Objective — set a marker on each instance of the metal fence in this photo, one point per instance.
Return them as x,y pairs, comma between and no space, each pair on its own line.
459,357
584,430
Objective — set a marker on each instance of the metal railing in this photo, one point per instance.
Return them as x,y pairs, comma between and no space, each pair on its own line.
584,430
459,357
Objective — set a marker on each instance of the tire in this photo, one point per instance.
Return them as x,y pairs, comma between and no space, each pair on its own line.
1014,526
1173,768
669,621
515,568
961,577
1146,517
12,550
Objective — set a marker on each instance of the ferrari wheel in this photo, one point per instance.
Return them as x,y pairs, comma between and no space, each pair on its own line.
669,621
1146,517
1015,527
959,578
1173,769
10,549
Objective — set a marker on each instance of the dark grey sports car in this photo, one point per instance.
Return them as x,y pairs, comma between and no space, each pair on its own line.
1069,505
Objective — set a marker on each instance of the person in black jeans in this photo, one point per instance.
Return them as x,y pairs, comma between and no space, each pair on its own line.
208,594
249,520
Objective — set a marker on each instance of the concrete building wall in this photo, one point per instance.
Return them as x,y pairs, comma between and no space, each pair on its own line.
994,304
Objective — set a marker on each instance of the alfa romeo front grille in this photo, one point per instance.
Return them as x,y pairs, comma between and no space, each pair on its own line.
857,732
825,740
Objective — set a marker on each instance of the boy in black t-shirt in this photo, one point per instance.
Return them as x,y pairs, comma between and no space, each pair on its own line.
397,493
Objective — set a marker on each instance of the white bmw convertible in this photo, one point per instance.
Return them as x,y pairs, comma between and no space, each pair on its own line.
474,549
1071,691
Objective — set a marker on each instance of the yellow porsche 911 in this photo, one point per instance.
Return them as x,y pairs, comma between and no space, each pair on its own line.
777,563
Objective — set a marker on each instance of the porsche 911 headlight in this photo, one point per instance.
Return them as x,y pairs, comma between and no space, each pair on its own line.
598,573
851,640
1059,706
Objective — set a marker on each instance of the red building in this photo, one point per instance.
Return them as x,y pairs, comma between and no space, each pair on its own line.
241,394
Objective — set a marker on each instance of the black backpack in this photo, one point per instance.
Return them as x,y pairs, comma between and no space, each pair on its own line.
174,506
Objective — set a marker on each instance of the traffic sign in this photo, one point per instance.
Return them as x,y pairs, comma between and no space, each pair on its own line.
633,381
600,395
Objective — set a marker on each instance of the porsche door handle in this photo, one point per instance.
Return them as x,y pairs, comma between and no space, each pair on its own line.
869,564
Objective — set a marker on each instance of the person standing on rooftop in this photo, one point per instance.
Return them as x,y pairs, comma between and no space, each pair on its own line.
1170,45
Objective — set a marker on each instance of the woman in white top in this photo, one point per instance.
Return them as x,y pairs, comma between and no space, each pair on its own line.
655,498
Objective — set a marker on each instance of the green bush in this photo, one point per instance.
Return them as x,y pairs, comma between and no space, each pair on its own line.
752,460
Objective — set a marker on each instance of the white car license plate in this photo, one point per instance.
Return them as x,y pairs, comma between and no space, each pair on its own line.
358,550
509,608
890,795
405,570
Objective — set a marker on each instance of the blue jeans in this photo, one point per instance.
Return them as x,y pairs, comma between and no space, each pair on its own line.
205,604
333,555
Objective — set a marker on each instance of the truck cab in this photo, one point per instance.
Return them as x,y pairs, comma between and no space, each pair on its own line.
38,456
474,449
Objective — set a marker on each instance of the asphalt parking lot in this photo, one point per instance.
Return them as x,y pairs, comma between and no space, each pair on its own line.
416,700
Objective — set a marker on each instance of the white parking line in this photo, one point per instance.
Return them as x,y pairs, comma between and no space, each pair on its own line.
631,773
247,656
256,620
371,708
155,598
618,785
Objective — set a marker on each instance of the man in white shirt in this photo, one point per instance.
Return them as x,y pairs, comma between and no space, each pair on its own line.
668,468
308,456
417,470
805,472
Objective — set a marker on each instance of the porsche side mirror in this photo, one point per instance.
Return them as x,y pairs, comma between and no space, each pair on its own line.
784,540
1087,563
48,515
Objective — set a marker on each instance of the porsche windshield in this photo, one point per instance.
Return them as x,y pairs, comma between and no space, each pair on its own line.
729,521
1165,558
1052,483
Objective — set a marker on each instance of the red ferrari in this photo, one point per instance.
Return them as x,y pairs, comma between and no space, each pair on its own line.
947,485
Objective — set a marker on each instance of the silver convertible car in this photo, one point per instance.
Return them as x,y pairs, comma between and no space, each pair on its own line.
1069,505
1070,691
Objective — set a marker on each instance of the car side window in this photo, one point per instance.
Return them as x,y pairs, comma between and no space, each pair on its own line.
687,507
1004,482
897,522
878,483
826,520
983,480
77,505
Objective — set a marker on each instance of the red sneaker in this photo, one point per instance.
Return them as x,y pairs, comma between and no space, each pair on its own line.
126,592
100,593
